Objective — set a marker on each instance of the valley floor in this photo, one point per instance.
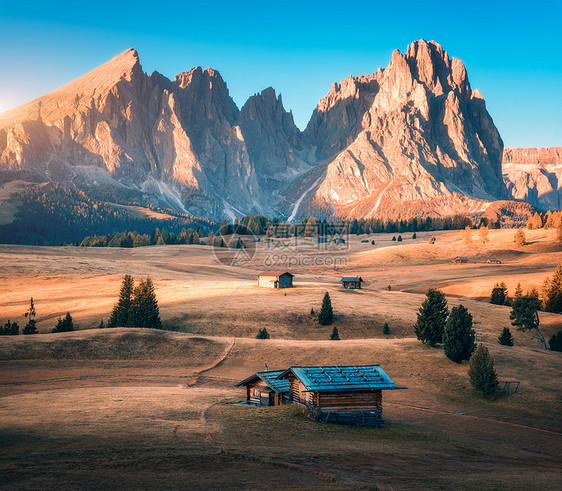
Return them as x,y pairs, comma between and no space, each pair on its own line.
121,407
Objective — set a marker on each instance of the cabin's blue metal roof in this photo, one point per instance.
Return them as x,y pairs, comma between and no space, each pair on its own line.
270,377
351,279
342,379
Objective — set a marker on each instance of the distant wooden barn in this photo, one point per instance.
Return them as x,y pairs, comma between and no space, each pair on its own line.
493,261
460,259
338,240
266,389
346,395
351,282
275,279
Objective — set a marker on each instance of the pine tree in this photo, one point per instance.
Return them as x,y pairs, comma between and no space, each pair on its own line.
31,326
121,315
335,336
482,373
262,334
552,291
144,306
326,315
394,237
414,235
499,294
525,315
312,311
518,291
432,239
432,317
458,337
506,338
385,328
101,325
399,238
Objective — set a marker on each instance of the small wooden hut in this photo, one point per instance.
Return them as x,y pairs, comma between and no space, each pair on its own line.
347,395
275,279
460,259
351,282
493,261
266,389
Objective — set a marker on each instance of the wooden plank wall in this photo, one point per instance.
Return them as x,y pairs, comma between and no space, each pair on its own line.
350,401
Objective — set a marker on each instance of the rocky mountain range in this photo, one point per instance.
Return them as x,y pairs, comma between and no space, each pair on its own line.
410,139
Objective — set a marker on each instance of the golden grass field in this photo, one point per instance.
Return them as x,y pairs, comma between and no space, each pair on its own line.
141,408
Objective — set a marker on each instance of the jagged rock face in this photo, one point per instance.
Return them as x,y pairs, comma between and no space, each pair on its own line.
422,134
534,175
274,143
413,138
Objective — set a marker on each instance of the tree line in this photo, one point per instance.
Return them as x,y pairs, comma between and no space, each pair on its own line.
136,239
51,214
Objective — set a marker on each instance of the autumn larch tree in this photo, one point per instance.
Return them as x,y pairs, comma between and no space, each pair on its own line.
552,291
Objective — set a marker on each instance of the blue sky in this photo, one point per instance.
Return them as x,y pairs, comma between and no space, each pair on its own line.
512,51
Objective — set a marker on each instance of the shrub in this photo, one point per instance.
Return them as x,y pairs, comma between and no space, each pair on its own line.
414,236
399,238
432,239
394,237
385,328
555,342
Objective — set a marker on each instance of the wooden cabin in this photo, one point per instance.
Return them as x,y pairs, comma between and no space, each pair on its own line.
340,394
338,240
266,389
493,261
351,282
460,259
275,279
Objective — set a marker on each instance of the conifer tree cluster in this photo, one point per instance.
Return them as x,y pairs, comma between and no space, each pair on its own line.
326,315
432,317
10,329
499,294
64,325
137,306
